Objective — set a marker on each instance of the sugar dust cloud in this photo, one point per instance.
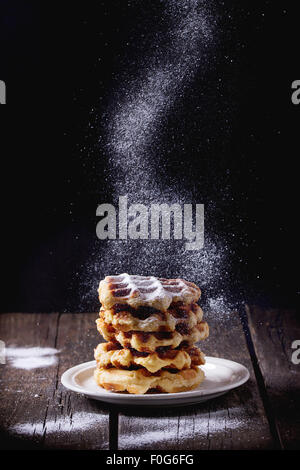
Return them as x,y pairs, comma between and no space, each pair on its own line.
133,125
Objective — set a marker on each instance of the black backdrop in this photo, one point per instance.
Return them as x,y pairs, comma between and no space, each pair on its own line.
62,63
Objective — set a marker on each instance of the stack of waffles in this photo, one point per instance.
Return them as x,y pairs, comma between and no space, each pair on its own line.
151,325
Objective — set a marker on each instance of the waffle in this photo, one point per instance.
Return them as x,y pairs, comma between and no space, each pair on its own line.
112,355
149,342
124,320
140,381
151,325
148,291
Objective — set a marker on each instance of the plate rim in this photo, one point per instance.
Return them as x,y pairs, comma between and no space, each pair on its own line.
69,374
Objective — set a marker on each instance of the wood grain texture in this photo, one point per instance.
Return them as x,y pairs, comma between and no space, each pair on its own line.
235,421
273,332
36,410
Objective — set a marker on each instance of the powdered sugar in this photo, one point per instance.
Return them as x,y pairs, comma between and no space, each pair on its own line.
133,126
155,431
31,358
146,290
64,424
143,102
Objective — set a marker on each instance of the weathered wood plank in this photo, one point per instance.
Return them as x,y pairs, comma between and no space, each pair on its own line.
24,390
39,411
273,331
235,421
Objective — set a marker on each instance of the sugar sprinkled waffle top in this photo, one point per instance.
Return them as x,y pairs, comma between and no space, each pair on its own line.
150,291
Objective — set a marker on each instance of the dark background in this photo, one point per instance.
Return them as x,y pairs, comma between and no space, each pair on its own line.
61,63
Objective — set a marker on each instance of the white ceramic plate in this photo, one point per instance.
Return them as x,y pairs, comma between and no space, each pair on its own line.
221,375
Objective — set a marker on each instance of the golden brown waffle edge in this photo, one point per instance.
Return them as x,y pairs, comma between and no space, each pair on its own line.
109,355
139,381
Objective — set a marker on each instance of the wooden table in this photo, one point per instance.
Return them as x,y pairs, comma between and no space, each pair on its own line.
36,411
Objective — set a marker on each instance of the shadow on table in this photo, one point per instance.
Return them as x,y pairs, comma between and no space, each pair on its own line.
239,397
10,441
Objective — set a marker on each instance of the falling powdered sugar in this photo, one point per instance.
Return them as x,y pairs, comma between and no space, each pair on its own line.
133,127
143,103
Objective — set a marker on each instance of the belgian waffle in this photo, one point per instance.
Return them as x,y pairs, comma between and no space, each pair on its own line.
112,355
140,381
148,291
131,320
149,342
151,325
